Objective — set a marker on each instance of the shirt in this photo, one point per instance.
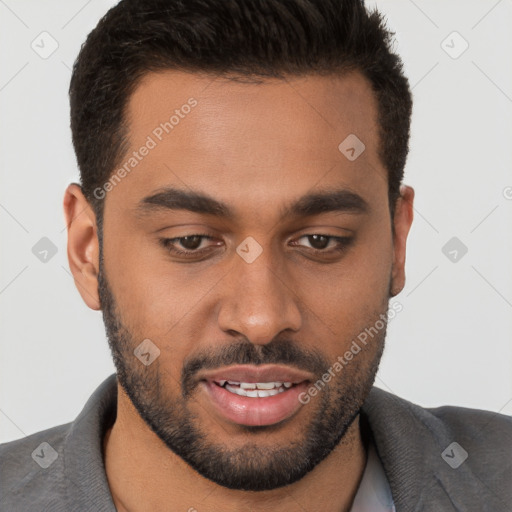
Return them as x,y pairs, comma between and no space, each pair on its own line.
373,493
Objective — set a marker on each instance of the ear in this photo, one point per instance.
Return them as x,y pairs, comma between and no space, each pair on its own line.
83,244
402,223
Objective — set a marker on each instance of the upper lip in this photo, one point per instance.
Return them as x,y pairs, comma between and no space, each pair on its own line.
262,373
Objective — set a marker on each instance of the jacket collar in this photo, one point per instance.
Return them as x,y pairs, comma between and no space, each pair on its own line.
83,453
410,441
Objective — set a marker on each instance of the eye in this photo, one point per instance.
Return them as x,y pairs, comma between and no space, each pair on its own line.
319,243
191,244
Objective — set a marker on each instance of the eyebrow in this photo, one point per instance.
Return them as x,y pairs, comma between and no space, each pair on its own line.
315,203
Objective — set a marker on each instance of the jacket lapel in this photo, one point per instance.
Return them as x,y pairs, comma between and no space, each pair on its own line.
417,452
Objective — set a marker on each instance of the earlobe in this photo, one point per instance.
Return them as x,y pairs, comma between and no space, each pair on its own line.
402,222
83,244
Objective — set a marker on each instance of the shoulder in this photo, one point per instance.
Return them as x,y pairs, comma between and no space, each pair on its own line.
484,436
61,468
462,454
31,469
473,423
474,426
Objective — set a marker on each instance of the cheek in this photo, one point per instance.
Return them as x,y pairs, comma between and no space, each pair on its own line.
144,294
347,294
159,299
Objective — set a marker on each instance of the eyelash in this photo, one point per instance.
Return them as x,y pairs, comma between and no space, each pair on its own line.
167,243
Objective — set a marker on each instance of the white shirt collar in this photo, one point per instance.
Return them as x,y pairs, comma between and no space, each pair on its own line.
374,493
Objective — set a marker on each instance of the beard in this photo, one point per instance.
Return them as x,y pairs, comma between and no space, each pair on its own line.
254,466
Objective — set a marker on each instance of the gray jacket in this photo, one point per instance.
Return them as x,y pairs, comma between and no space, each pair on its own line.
436,460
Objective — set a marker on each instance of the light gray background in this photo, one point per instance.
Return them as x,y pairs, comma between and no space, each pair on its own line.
451,344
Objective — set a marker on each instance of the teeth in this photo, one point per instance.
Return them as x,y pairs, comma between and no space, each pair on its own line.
257,389
236,390
257,385
271,392
269,385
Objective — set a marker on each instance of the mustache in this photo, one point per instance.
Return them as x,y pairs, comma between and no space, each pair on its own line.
284,352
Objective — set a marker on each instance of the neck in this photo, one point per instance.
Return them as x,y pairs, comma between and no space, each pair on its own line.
143,474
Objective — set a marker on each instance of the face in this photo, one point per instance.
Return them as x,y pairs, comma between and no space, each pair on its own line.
249,252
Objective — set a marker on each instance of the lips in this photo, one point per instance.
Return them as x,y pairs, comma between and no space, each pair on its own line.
255,395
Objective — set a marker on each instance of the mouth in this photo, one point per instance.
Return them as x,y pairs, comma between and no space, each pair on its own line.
255,396
255,389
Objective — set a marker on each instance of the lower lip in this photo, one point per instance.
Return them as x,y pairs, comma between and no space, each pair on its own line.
255,411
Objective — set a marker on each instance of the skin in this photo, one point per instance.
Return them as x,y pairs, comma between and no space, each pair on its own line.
257,148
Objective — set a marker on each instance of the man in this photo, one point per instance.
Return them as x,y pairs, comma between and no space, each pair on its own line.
241,222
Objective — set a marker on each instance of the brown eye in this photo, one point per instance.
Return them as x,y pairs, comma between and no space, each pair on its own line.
320,243
190,245
191,242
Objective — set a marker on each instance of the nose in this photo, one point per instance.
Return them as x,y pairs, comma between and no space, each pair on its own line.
259,300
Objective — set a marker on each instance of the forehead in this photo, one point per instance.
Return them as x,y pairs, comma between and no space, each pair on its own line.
264,142
320,103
